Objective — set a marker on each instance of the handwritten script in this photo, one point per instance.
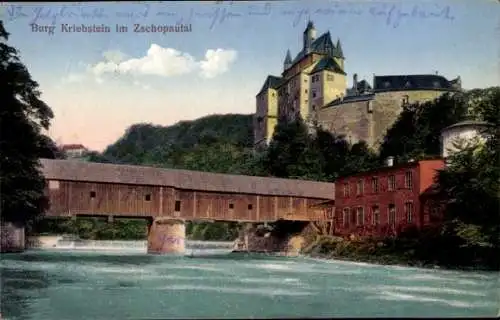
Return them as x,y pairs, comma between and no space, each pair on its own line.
171,240
391,14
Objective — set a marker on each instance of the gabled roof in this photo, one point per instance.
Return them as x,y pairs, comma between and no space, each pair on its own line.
327,63
412,82
271,82
69,170
323,45
72,147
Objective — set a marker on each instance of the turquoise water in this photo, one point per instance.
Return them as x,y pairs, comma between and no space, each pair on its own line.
132,285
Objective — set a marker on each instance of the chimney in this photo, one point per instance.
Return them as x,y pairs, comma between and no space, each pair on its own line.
355,82
389,161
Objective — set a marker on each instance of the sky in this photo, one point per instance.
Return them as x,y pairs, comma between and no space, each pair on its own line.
100,83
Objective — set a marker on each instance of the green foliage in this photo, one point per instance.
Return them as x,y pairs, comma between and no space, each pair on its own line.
94,228
417,132
470,185
23,116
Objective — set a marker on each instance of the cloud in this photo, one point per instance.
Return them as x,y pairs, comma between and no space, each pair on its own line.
165,62
217,62
115,56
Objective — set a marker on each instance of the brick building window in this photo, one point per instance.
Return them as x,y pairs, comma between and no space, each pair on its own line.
375,185
359,187
92,194
250,207
177,206
392,215
409,211
346,190
392,183
345,213
231,206
408,180
147,197
360,216
376,215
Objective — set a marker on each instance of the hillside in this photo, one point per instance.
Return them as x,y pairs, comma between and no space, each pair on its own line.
216,143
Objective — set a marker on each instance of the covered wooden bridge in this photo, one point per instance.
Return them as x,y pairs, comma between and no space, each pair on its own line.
96,189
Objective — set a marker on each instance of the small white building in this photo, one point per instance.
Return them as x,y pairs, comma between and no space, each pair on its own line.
74,150
460,135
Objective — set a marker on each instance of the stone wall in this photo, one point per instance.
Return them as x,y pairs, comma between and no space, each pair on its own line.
360,121
12,238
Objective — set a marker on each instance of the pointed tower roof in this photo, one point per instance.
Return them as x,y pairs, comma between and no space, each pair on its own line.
310,25
338,50
288,58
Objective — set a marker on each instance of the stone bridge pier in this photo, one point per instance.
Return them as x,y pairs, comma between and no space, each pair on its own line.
166,236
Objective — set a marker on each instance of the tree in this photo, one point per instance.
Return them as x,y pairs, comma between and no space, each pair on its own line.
470,184
417,131
22,117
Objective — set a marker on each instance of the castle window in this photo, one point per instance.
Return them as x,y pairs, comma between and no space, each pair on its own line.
405,100
305,91
370,106
314,93
330,77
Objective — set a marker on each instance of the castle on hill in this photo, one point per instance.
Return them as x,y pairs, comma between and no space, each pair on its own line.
313,86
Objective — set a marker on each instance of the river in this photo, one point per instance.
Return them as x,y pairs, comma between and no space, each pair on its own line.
211,283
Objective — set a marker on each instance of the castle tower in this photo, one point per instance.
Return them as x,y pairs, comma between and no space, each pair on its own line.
288,60
309,36
339,54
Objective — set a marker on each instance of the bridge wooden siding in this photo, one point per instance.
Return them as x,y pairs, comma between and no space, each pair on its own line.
83,188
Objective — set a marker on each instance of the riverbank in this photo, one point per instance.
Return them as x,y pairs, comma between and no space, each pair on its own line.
401,252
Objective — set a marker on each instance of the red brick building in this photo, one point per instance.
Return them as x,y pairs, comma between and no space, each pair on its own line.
383,201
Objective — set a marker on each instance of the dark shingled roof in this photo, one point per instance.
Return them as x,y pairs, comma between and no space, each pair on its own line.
349,99
327,63
322,45
412,82
271,82
184,179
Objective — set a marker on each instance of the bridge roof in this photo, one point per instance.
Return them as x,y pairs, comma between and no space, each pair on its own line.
74,170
